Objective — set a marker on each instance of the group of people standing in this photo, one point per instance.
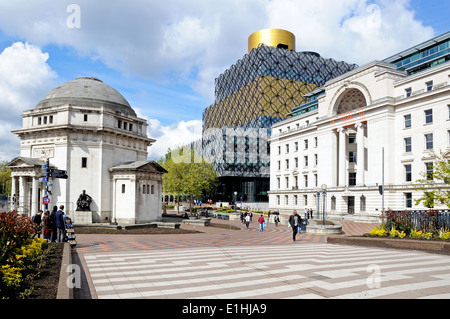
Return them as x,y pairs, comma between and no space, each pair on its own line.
51,225
295,221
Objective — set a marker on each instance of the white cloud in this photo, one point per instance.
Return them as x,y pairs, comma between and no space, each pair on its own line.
25,78
177,134
356,31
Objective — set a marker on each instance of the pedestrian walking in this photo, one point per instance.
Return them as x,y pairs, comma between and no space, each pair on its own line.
276,220
37,220
46,226
295,222
268,217
262,223
242,217
53,224
247,220
60,224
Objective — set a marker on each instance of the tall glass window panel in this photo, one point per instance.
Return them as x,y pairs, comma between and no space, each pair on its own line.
429,141
407,120
408,147
428,116
408,173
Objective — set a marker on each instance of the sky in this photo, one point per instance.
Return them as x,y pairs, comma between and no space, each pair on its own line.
164,56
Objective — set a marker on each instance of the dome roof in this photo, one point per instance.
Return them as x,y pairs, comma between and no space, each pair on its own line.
87,91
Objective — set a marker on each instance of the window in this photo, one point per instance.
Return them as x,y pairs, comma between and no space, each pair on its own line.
408,200
408,174
306,144
39,120
286,200
123,188
408,92
316,159
428,116
306,161
429,141
296,162
279,150
306,180
352,157
429,170
125,125
316,180
152,189
295,200
305,198
352,179
408,147
333,202
316,142
407,120
296,181
296,146
279,165
119,124
362,203
85,117
287,148
278,183
287,164
287,182
278,199
50,119
83,162
144,188
429,85
352,138
45,119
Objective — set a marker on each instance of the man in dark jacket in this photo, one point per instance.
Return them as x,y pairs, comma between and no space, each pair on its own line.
295,221
60,225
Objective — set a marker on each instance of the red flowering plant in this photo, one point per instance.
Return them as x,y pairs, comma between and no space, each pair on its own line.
15,229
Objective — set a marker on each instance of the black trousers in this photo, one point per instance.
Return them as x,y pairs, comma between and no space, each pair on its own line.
294,232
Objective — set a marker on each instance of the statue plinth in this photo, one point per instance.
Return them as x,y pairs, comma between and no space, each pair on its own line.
81,217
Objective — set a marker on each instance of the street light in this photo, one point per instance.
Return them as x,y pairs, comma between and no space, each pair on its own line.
318,190
235,194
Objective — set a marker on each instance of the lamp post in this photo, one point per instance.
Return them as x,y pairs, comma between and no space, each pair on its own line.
235,194
324,195
318,190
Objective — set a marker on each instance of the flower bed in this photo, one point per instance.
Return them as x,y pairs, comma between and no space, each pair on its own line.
21,256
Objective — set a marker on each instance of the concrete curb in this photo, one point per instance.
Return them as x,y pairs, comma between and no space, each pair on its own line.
64,291
434,247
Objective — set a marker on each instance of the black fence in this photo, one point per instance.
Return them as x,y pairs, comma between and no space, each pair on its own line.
426,220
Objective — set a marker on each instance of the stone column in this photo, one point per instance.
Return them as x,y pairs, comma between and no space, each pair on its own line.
21,198
13,201
34,197
342,157
360,158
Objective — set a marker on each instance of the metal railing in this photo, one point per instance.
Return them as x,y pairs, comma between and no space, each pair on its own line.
426,220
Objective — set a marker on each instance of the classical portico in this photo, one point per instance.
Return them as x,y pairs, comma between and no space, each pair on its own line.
84,127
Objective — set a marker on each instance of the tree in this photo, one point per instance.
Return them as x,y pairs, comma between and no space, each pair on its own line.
5,179
434,191
188,174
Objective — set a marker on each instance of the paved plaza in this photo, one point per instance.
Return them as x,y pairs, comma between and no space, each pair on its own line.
237,264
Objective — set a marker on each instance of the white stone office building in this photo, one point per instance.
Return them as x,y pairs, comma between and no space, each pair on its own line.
337,139
88,129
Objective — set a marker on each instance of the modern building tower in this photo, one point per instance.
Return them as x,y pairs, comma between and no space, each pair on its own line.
258,91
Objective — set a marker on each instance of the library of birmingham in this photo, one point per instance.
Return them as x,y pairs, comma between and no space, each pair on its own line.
286,125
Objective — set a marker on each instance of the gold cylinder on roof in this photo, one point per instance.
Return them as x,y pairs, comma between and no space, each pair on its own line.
272,37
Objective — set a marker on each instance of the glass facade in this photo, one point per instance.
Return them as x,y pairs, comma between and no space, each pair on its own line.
423,56
261,89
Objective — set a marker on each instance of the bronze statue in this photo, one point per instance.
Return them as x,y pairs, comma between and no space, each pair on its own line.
84,202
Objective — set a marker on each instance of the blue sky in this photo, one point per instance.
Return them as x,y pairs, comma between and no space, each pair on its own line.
163,56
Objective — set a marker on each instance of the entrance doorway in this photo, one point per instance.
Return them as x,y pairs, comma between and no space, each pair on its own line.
351,204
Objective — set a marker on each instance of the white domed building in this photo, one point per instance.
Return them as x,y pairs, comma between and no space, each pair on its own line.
88,129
